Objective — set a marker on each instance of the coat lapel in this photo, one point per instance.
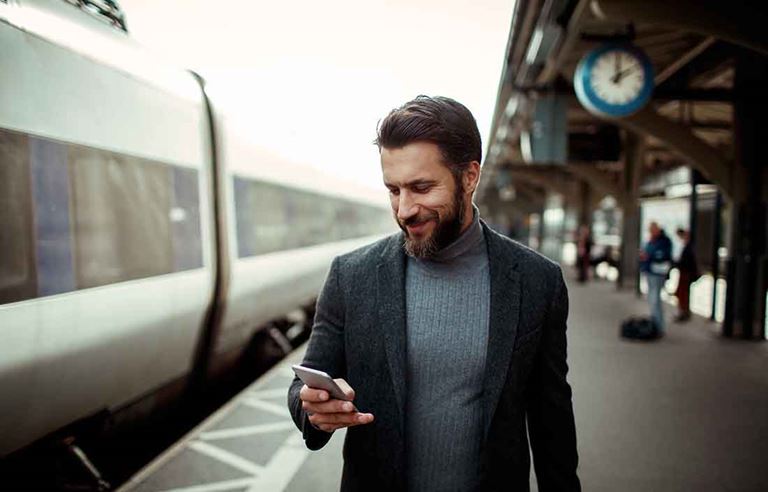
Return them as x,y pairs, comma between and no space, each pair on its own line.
390,296
504,317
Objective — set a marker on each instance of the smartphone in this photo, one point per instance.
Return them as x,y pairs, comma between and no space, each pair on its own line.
319,380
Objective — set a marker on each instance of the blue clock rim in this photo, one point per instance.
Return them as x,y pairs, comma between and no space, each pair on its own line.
614,110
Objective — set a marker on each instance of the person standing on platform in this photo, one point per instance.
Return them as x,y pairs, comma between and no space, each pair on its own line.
688,269
655,262
448,338
583,253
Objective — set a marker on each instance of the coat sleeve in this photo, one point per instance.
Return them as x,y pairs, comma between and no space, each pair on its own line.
550,411
325,351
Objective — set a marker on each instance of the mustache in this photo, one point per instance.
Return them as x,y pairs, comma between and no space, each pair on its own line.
418,219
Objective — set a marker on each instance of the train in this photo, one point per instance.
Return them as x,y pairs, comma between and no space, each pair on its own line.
144,238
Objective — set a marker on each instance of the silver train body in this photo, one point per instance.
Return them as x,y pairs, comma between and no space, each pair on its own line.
137,226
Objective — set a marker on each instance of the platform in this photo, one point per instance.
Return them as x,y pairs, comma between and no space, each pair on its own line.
687,412
249,444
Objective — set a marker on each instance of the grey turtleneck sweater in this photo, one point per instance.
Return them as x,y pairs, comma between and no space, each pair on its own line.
447,309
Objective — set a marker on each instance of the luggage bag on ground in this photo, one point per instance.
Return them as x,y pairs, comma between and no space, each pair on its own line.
639,328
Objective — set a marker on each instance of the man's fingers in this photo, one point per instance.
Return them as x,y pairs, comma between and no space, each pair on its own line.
332,418
333,406
331,427
318,395
340,419
363,418
329,414
312,394
346,388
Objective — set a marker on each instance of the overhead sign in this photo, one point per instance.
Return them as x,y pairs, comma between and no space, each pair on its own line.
546,140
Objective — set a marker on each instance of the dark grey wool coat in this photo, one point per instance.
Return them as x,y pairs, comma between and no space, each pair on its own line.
359,335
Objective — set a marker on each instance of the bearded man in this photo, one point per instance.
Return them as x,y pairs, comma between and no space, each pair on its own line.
447,337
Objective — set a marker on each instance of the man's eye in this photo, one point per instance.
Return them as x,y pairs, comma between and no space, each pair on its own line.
422,189
394,191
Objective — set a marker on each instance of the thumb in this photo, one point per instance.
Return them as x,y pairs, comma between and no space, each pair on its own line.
346,388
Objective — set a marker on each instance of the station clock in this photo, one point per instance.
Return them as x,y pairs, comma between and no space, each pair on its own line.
614,80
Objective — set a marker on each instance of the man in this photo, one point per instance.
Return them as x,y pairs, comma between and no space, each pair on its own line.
688,269
447,337
655,262
584,253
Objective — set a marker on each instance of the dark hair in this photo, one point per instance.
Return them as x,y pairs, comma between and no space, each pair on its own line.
440,120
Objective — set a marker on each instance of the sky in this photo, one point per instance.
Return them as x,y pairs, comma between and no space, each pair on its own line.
309,80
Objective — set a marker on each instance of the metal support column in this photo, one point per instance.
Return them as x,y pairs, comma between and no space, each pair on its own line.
716,239
745,299
540,230
585,204
694,207
630,234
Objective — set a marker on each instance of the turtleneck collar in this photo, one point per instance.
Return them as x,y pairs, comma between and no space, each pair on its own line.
469,241
465,254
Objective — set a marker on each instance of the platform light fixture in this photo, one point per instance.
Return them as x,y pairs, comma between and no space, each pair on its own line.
502,132
542,41
678,190
512,106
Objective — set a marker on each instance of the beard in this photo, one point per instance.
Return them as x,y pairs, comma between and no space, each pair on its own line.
446,230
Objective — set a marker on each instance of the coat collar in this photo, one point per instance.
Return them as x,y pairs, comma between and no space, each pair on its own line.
504,315
390,298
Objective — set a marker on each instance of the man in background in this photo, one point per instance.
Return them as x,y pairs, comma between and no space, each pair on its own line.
583,253
655,263
689,272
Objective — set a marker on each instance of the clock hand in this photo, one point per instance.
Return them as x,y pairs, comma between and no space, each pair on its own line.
621,74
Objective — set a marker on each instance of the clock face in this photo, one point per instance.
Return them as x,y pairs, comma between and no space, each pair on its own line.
617,77
614,81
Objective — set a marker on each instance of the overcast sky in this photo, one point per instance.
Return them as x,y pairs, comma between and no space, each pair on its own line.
310,79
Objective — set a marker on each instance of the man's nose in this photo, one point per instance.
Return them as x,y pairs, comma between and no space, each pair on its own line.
406,206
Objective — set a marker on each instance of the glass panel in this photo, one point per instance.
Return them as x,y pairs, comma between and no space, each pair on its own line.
246,245
17,252
73,217
50,186
122,217
275,218
185,220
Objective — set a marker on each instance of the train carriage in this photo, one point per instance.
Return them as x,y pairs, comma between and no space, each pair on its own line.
143,238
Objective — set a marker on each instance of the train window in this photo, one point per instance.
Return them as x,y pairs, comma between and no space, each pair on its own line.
263,227
243,221
122,217
18,276
185,220
50,190
72,217
271,217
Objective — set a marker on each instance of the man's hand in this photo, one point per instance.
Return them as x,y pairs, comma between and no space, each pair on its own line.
329,414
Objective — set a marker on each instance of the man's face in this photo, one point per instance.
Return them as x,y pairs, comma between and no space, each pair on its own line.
654,230
427,202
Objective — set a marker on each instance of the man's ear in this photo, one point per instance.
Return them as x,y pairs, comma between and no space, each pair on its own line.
471,177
